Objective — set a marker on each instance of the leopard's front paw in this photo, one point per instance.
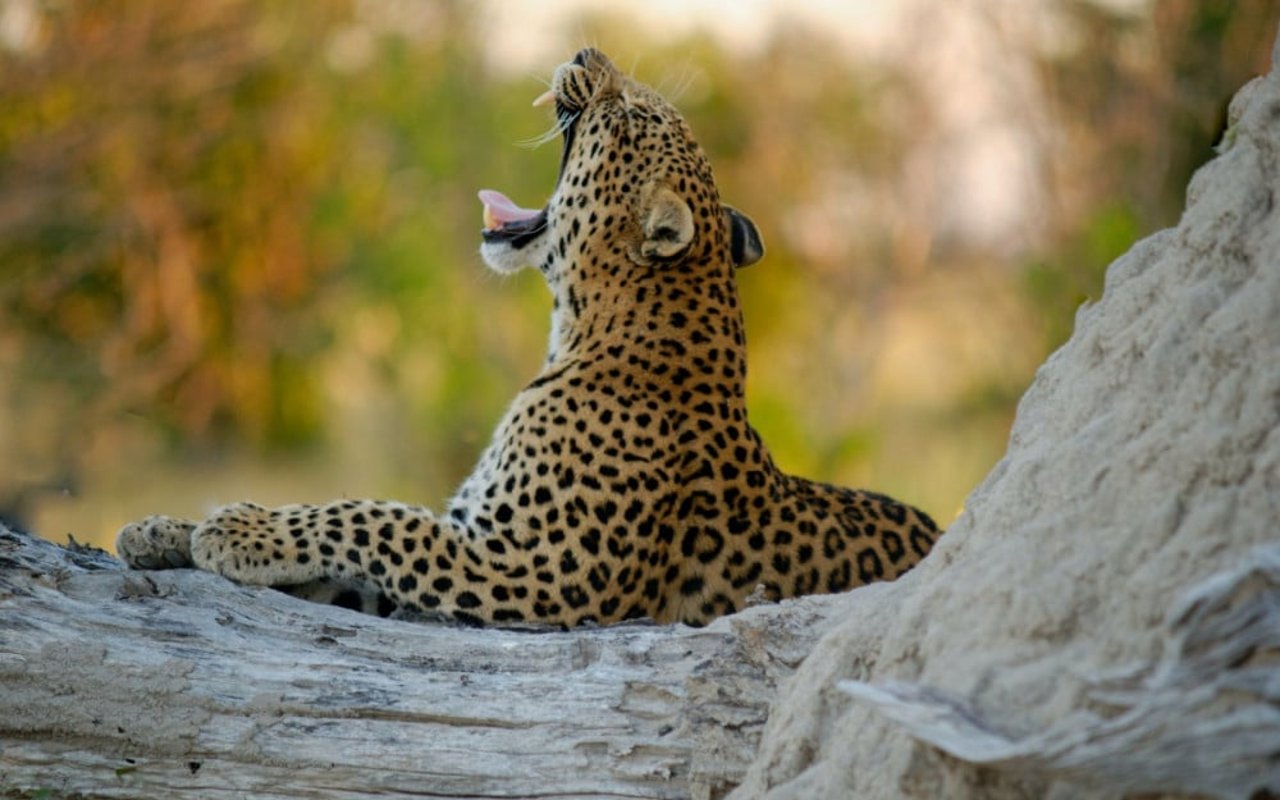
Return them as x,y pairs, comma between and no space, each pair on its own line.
246,543
156,543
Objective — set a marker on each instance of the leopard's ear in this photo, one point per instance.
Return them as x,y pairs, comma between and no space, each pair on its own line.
667,224
745,246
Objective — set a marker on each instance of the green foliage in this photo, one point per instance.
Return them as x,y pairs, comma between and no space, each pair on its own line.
1141,103
1074,274
253,226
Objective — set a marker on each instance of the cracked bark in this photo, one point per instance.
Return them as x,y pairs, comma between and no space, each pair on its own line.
180,683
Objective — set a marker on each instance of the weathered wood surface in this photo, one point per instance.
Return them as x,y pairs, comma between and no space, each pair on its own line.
182,684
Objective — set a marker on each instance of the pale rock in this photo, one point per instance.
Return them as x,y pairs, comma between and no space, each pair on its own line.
1104,618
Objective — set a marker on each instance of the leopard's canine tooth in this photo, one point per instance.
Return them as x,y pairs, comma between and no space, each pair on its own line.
547,97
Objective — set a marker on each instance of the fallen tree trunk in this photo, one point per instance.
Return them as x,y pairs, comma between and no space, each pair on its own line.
180,683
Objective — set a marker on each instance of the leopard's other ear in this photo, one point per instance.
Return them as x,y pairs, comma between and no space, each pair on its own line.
667,224
745,246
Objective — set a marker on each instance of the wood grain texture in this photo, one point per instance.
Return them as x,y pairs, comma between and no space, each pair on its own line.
182,684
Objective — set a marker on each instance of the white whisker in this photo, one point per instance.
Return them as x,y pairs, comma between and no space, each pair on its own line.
675,84
562,123
538,141
539,76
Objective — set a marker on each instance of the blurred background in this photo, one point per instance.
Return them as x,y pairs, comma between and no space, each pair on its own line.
238,238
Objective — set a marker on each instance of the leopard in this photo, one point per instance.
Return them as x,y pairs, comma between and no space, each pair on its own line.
625,481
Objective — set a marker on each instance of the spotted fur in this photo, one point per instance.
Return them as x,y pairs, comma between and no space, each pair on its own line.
624,480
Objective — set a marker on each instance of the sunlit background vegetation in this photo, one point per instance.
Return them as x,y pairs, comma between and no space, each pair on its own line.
238,238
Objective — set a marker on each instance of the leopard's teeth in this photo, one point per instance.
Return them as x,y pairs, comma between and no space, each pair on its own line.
490,220
546,98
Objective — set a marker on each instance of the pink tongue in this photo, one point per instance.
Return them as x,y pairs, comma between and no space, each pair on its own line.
500,210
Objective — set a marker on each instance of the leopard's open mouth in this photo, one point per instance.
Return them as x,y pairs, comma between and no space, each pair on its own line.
504,220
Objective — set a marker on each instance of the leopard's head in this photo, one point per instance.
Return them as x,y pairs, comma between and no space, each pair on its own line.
635,197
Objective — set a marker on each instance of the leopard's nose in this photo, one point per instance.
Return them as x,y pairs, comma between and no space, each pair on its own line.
592,59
